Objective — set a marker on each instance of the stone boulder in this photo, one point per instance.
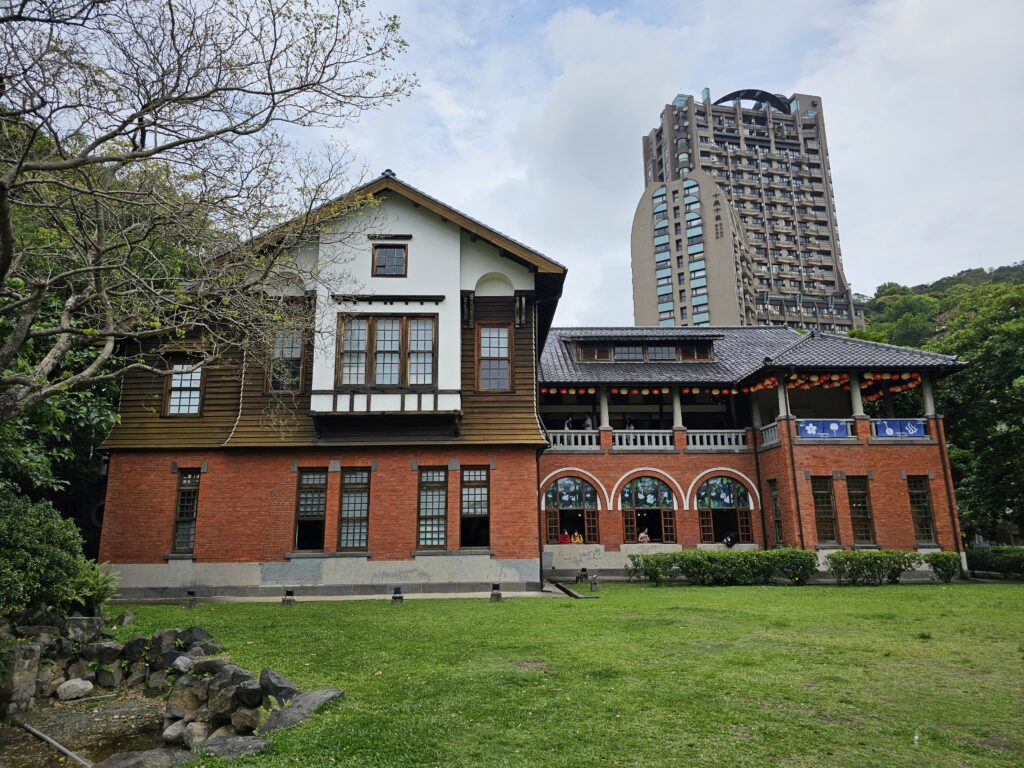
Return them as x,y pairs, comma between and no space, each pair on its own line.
156,682
150,758
182,665
128,617
74,689
135,648
301,707
36,630
194,635
175,732
245,719
196,733
206,666
231,747
18,680
110,676
136,674
249,693
106,652
80,669
163,640
185,698
83,629
277,686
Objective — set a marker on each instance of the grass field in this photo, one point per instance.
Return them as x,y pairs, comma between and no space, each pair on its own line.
644,676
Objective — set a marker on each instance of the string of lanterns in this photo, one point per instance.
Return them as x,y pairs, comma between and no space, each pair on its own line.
875,385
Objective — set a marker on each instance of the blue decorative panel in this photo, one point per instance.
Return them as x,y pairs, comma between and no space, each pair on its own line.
900,428
822,428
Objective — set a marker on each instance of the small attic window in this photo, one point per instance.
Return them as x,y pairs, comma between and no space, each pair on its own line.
390,260
654,352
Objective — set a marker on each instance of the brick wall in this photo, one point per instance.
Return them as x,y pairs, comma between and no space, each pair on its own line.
247,501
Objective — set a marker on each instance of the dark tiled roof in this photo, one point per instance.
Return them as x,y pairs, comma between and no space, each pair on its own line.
817,349
740,352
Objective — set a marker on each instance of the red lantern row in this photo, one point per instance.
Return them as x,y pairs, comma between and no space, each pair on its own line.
770,383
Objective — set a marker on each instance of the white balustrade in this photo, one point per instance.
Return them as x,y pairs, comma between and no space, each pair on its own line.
643,439
769,435
574,439
715,439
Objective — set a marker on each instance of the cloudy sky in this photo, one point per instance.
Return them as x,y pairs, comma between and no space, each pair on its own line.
529,117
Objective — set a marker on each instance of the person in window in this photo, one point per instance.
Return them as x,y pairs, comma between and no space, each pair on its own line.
644,537
588,423
730,540
568,424
577,538
563,538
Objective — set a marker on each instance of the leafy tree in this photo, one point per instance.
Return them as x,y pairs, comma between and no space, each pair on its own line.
141,152
984,405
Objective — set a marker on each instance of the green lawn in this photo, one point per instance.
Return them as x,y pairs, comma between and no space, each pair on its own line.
644,676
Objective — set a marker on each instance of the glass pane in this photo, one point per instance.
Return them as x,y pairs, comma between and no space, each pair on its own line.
287,344
494,374
493,342
353,368
421,368
352,534
421,334
386,368
389,260
354,504
354,336
474,501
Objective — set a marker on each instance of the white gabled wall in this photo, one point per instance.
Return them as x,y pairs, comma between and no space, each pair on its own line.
442,261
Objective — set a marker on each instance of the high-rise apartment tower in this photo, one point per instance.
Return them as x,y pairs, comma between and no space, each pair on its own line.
737,222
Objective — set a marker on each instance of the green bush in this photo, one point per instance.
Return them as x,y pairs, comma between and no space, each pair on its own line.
797,565
871,567
706,567
93,586
945,565
1007,560
40,555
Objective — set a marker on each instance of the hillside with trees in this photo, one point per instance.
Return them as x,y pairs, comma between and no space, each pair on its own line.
977,315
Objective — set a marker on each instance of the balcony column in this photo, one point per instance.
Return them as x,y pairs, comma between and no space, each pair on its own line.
755,412
602,404
856,402
783,400
928,395
887,404
677,409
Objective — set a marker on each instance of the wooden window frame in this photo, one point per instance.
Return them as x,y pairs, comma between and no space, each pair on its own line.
168,389
667,514
370,350
815,497
268,384
341,501
404,247
178,520
478,332
591,518
463,485
857,479
926,491
298,495
420,486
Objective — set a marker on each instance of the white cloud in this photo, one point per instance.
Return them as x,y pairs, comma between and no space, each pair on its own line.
530,119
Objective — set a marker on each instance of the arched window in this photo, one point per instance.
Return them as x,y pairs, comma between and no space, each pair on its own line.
570,506
724,508
647,505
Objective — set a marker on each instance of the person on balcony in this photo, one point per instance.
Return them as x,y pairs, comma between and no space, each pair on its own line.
568,424
588,423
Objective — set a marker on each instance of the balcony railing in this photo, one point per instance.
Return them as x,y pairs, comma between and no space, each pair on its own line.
899,429
715,439
642,439
824,429
574,439
769,435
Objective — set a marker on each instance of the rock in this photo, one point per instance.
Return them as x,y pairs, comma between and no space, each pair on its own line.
184,698
156,682
224,730
62,647
249,693
128,617
150,758
245,720
194,635
111,676
18,680
196,652
83,629
196,733
163,640
221,703
182,665
135,648
46,673
278,686
136,674
163,660
208,647
81,669
301,707
230,747
51,689
35,630
74,689
210,666
229,675
105,652
175,732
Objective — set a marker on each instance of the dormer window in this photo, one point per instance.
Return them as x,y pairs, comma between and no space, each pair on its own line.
184,390
653,352
390,260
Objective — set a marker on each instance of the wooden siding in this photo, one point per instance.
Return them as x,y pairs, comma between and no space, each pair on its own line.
501,417
141,407
238,412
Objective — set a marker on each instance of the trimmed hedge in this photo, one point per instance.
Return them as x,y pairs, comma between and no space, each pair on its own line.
945,565
724,568
872,567
1007,560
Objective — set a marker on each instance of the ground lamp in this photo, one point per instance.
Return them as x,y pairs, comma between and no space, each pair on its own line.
190,598
495,593
289,597
397,598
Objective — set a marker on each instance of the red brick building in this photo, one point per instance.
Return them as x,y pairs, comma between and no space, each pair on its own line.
428,443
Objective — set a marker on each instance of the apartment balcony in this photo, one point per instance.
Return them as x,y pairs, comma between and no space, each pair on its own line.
643,440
